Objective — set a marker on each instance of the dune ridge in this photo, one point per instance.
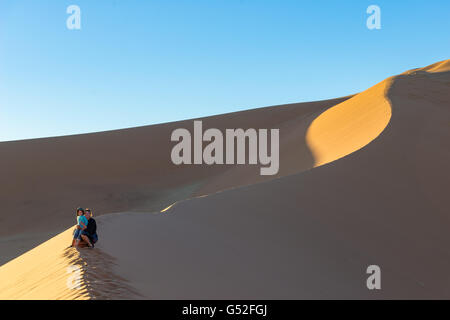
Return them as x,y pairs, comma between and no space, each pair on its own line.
441,66
305,234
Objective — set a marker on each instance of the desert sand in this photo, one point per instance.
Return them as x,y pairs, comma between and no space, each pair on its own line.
363,180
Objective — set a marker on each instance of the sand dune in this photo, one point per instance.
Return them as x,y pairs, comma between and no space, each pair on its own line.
377,194
127,170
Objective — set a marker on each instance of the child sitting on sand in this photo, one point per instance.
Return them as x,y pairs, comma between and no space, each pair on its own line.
82,223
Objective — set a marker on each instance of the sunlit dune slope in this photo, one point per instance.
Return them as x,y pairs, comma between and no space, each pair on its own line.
54,271
350,125
42,273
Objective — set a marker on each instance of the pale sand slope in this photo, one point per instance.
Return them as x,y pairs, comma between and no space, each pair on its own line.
127,170
308,235
313,234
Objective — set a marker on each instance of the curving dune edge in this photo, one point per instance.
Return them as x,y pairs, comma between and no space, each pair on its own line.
350,125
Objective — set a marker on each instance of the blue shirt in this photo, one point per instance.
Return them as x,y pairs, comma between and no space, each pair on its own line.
82,219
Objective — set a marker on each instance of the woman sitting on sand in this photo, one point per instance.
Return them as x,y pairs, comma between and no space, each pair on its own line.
82,223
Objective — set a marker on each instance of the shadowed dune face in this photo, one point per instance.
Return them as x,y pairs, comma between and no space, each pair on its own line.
97,279
313,234
309,234
127,170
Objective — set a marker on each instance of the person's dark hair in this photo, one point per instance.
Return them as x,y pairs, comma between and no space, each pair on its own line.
79,209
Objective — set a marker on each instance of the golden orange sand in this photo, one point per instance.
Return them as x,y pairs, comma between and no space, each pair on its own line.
350,125
43,272
55,271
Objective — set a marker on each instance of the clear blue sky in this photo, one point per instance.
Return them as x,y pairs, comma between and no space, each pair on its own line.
138,62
